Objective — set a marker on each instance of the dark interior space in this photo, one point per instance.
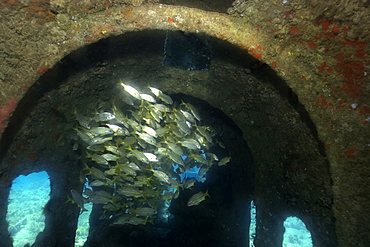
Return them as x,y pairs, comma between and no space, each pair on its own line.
253,120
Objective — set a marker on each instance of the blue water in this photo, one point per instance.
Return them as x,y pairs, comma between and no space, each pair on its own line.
29,194
27,198
83,225
252,225
296,233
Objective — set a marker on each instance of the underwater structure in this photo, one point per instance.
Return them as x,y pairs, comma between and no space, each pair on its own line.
283,84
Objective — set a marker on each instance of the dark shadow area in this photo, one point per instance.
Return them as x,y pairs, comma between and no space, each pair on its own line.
252,101
145,43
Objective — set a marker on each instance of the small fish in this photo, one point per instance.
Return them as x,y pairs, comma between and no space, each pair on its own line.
140,183
79,200
148,98
189,183
101,131
110,157
111,207
163,177
197,198
96,173
224,161
99,140
212,156
137,221
176,195
113,149
111,172
104,116
166,99
83,121
175,158
97,183
101,197
98,159
188,116
144,211
84,136
191,144
184,127
149,130
130,192
151,157
134,167
162,131
140,156
200,158
96,148
147,138
168,196
122,220
118,130
155,91
194,111
131,90
179,116
203,170
175,148
127,170
132,123
156,115
161,107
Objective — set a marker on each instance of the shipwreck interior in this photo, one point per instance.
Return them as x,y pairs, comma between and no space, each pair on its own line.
277,159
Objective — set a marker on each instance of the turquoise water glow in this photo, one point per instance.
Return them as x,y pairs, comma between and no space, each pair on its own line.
296,233
83,224
29,194
27,198
252,226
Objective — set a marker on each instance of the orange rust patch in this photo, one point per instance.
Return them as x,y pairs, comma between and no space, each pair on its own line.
353,75
128,13
274,65
323,102
38,9
43,70
365,110
324,67
350,153
311,44
6,111
335,29
255,54
294,30
325,24
361,47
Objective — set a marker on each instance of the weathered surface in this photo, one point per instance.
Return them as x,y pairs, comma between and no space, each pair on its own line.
321,50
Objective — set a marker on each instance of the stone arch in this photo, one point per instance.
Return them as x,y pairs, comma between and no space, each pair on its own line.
278,130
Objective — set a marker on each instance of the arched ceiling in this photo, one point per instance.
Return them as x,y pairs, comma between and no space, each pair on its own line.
319,51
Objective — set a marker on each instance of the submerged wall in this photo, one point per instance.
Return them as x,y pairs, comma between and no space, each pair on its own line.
308,132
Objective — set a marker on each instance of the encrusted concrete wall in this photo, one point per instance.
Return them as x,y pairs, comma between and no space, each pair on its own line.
319,49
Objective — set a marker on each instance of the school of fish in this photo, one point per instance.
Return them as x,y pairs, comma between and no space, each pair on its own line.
131,152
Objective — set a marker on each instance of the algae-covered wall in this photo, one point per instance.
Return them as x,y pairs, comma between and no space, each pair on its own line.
313,152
